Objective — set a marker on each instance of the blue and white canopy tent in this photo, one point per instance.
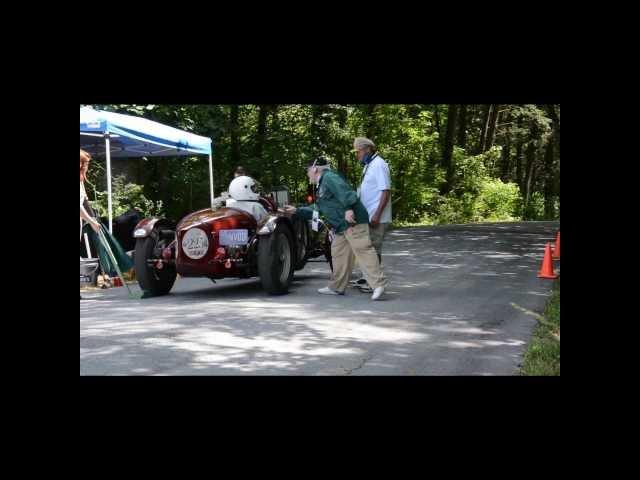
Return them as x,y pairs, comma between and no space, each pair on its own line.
117,135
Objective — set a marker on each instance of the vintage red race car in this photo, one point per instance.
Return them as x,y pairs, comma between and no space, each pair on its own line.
227,242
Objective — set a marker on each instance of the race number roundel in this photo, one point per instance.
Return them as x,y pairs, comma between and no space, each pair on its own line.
195,243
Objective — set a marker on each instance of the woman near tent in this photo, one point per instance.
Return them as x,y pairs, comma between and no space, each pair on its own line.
85,158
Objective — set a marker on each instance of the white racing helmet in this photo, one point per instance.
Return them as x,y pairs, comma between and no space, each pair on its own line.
243,188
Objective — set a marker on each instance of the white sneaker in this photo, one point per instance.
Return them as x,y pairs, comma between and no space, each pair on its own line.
328,291
377,293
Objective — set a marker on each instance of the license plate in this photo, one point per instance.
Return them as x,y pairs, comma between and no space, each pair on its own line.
234,237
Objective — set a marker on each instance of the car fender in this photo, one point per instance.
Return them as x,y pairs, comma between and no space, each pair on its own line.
267,227
146,226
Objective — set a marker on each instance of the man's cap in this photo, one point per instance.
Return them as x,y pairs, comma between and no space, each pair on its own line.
320,161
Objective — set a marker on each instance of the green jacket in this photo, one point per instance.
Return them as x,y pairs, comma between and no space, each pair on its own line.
334,198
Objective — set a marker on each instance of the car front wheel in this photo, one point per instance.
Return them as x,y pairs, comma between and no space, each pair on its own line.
152,280
275,261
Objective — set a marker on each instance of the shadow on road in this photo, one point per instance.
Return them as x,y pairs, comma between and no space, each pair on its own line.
448,312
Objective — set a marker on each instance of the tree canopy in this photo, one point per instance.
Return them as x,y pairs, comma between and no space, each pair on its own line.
449,163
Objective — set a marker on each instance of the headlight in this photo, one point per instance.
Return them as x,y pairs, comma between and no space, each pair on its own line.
268,227
139,233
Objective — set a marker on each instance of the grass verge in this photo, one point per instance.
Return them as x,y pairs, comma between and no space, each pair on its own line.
542,357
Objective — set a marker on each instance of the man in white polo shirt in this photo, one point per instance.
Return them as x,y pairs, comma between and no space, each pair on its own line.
374,193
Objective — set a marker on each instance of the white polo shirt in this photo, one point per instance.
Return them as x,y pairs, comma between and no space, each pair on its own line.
376,178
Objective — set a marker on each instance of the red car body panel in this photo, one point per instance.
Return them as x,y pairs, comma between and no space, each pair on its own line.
211,222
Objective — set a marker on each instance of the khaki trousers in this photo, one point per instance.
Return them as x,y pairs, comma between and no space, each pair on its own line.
355,244
377,236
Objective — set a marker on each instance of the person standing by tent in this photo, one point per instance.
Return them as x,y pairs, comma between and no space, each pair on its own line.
124,262
85,158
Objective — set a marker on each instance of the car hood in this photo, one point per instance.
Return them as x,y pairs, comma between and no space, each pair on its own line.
220,218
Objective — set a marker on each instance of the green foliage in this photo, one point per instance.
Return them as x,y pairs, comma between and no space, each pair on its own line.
410,147
124,197
476,196
483,185
454,209
534,210
471,171
542,357
498,201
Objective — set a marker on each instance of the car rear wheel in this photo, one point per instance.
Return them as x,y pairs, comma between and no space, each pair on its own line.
152,280
275,261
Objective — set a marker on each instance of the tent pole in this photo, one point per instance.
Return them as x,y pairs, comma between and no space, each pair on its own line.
86,244
211,177
107,145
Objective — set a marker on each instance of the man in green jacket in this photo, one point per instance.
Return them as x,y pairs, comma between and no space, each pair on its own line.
339,203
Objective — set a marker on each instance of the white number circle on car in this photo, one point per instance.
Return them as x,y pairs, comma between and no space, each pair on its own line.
195,243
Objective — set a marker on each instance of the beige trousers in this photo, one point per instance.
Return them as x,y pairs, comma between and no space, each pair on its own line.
377,236
355,244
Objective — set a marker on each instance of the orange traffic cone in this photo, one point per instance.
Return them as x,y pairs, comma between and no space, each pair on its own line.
556,249
546,271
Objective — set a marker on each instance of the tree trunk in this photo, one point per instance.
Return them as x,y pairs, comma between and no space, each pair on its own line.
163,179
343,165
530,154
462,128
550,180
506,159
262,131
495,113
471,119
140,171
529,169
235,139
447,154
371,121
436,119
519,144
484,129
505,167
557,166
275,178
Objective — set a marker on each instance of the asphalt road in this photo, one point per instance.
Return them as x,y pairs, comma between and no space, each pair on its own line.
459,303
